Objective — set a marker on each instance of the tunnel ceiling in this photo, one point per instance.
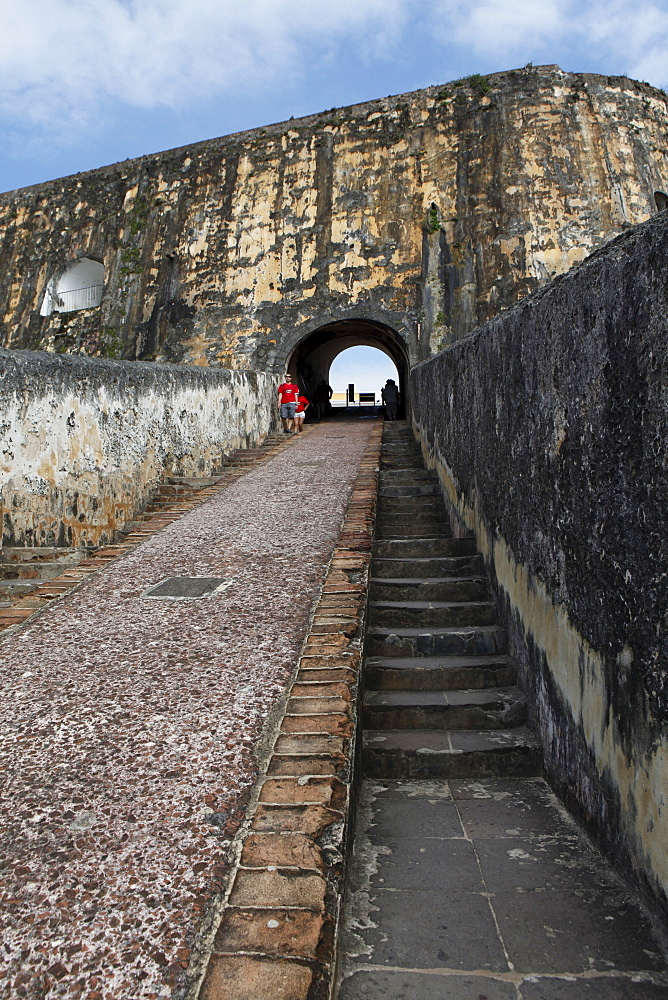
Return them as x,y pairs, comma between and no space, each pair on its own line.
326,343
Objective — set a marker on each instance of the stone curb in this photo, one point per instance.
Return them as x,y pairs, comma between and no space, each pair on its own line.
27,608
278,925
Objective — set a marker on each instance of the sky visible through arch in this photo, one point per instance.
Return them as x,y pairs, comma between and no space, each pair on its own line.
366,367
84,83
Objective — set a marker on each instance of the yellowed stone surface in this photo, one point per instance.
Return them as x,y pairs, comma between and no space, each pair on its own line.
427,212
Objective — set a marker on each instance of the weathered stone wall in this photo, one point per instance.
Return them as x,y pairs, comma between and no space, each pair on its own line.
84,442
549,427
428,212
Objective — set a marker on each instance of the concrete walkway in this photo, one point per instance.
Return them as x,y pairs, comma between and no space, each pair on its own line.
129,728
486,890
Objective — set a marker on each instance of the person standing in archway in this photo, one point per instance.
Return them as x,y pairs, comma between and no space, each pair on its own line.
390,396
321,397
288,393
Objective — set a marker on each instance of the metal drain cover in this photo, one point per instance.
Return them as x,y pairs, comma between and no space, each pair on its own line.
187,588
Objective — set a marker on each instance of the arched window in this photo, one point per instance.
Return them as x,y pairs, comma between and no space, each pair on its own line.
78,287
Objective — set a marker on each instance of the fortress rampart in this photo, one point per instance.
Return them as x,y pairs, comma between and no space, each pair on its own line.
548,427
406,223
86,441
429,213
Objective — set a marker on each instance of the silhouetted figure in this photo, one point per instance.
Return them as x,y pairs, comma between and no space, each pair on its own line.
321,397
390,396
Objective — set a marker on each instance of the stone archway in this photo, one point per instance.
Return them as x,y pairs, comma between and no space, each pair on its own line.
311,359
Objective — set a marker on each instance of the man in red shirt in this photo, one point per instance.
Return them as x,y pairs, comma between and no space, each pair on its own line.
288,393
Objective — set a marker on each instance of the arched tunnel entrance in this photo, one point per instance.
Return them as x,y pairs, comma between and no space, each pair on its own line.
312,358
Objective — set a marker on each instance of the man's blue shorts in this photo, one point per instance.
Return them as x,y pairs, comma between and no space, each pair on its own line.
288,410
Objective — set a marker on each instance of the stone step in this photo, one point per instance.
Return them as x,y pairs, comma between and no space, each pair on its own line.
409,476
131,526
438,673
410,490
406,529
492,708
415,548
431,515
41,553
196,482
422,568
433,753
15,589
397,505
44,570
427,512
402,444
412,614
463,640
405,526
403,454
443,588
156,505
407,508
404,459
427,502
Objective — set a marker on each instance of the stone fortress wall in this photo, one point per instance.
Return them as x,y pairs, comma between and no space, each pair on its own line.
428,212
86,441
422,216
549,428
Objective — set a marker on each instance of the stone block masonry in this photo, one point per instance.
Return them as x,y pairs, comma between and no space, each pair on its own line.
428,212
548,427
85,442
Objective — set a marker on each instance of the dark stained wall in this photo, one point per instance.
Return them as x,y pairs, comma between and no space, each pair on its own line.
549,427
428,212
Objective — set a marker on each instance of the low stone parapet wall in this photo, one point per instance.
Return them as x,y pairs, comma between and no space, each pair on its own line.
548,427
86,441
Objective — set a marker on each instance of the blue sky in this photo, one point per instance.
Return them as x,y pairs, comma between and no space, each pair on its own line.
89,82
366,367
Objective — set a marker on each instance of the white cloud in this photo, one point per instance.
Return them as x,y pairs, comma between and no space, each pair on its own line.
628,35
60,64
71,68
503,26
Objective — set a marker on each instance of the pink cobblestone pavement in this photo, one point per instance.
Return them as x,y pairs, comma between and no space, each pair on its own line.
129,727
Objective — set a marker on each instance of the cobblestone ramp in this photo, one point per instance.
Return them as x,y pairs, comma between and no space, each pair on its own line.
468,879
130,725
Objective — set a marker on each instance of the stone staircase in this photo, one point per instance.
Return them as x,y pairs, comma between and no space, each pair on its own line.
440,697
23,569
